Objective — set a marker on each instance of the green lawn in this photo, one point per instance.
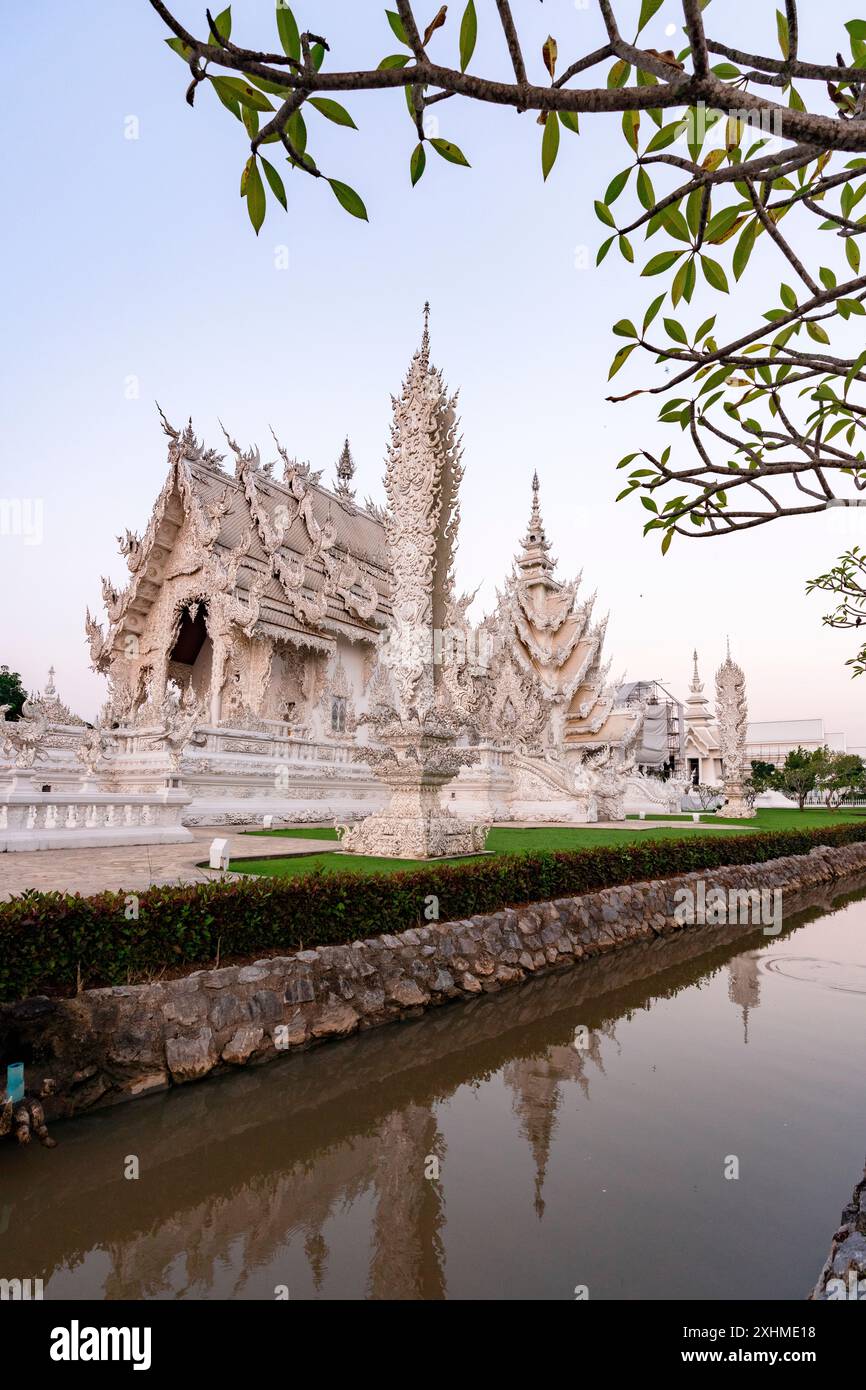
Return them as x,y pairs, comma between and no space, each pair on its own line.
505,840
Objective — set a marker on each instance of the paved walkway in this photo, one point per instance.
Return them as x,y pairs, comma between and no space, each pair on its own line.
131,868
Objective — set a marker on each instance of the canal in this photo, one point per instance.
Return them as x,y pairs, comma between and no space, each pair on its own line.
579,1132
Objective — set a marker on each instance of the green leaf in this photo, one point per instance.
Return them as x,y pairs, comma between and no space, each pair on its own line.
621,357
417,164
603,250
674,223
180,48
652,311
253,190
828,278
468,35
570,121
619,74
549,143
396,24
394,60
317,55
626,249
676,331
720,224
630,127
856,367
277,186
615,187
684,282
227,98
788,297
647,10
625,329
275,88
296,129
650,504
241,91
744,247
452,153
222,24
782,31
604,214
852,251
288,30
645,190
348,199
663,261
250,119
666,136
816,332
332,110
666,543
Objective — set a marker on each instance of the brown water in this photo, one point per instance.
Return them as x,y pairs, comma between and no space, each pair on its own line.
558,1166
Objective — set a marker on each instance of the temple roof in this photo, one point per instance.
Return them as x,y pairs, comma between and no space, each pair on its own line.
317,560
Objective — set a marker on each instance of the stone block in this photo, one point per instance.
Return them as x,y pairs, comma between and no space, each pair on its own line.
190,1058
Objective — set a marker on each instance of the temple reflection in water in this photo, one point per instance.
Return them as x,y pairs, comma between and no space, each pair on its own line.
567,1133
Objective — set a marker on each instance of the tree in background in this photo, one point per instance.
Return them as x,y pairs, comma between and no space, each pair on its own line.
725,148
762,775
12,692
798,776
838,774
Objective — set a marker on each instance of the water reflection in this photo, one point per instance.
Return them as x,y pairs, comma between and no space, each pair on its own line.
572,1131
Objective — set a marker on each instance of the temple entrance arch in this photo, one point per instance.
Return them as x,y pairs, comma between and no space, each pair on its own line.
191,657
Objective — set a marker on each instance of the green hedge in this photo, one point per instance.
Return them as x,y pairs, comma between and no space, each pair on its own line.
50,941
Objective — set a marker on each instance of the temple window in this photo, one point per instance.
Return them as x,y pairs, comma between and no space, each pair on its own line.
338,714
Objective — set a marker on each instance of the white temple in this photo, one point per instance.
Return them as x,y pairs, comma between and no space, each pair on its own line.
281,648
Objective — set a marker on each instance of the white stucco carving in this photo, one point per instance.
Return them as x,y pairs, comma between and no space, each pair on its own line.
732,717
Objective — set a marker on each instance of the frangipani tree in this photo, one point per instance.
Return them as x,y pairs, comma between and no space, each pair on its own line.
724,148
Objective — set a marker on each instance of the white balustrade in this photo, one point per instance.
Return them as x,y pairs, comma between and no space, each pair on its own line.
31,819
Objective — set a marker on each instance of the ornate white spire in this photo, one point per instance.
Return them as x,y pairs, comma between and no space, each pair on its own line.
417,753
697,684
697,706
535,561
422,478
345,472
732,715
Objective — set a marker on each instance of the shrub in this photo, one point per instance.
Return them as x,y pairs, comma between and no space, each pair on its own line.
52,942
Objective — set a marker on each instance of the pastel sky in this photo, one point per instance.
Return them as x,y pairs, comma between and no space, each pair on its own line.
133,275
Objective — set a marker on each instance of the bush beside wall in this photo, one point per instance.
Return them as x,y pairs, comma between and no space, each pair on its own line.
59,943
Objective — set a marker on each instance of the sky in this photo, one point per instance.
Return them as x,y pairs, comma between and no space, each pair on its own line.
133,276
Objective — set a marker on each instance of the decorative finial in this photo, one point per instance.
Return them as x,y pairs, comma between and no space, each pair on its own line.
696,686
425,336
345,471
535,522
49,689
729,647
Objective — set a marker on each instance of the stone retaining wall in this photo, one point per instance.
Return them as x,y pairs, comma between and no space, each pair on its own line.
844,1274
114,1044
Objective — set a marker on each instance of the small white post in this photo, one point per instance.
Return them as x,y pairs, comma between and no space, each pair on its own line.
219,854
267,822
